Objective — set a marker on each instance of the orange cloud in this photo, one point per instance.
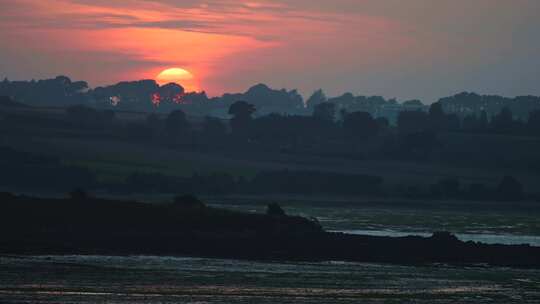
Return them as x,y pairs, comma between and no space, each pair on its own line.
226,44
149,33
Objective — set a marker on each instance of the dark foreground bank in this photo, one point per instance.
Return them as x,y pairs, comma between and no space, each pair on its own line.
83,225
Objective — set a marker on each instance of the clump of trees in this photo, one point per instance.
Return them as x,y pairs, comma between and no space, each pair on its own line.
343,127
325,111
241,120
353,135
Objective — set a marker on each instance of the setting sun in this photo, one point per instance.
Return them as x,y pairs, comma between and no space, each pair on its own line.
179,76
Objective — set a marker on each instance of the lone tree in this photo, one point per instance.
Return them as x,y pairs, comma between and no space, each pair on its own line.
242,112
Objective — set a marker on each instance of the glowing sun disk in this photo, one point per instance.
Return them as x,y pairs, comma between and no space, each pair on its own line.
174,75
180,76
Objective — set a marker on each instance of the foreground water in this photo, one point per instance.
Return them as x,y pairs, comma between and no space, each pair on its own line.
145,279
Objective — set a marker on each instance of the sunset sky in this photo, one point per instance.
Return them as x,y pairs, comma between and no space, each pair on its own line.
406,49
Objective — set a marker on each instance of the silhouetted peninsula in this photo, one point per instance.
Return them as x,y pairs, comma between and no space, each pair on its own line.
82,224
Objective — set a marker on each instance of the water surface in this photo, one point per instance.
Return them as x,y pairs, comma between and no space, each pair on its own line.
147,279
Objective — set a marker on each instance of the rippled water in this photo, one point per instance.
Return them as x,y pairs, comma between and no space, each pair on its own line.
93,279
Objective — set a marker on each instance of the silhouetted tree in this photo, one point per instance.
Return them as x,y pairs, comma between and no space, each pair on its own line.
440,121
242,117
316,98
171,93
141,95
267,100
360,125
325,111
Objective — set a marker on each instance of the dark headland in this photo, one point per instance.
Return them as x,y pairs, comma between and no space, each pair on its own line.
187,227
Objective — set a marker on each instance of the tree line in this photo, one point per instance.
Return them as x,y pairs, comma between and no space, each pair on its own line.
147,95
